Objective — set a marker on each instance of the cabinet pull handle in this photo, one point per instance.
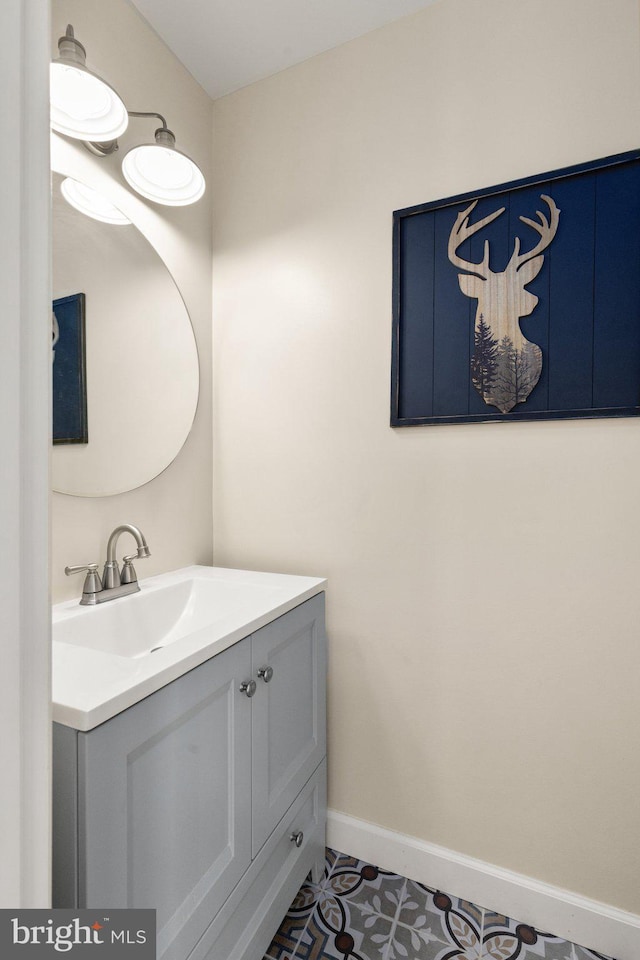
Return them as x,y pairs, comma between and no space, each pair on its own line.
297,838
248,687
265,673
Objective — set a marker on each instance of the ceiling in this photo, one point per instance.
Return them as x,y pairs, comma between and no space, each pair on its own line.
227,44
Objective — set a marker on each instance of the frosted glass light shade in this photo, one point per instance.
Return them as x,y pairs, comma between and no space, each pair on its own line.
163,174
83,106
91,203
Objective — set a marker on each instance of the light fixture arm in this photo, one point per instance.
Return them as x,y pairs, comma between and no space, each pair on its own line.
136,113
163,135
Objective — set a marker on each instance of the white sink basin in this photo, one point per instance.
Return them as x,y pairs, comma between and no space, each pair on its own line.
146,622
109,656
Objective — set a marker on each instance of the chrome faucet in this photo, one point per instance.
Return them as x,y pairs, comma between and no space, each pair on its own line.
114,583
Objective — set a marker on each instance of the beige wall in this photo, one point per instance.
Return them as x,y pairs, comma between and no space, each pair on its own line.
483,606
174,510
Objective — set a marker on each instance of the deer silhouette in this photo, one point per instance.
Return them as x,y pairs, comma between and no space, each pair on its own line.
505,366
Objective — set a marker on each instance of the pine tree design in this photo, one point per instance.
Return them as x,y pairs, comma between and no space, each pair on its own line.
516,374
484,362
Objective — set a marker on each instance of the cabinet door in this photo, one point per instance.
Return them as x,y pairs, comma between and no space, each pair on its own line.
289,712
164,801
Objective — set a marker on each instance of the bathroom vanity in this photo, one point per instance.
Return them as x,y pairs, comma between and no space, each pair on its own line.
205,797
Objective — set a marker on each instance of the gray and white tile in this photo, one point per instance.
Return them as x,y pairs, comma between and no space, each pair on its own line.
360,912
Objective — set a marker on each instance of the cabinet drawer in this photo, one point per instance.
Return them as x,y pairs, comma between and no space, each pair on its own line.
246,925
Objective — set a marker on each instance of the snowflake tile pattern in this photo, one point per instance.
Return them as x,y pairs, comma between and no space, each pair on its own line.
360,912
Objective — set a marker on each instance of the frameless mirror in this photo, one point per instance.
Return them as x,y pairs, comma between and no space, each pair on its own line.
142,375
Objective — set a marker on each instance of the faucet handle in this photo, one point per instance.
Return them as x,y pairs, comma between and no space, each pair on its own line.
92,583
90,567
128,572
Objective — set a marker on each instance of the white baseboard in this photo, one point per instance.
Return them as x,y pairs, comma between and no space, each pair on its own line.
589,923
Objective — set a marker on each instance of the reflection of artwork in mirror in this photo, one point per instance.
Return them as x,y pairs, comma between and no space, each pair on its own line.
69,378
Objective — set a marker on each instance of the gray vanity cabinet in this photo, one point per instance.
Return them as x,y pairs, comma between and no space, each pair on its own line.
188,801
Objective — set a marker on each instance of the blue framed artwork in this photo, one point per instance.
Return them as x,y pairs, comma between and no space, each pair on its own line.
521,301
69,373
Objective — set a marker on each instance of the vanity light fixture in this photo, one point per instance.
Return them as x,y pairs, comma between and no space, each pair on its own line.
91,203
160,172
83,106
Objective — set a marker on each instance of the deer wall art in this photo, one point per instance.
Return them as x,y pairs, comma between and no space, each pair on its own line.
505,366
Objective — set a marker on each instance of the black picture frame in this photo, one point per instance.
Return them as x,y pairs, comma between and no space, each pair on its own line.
69,370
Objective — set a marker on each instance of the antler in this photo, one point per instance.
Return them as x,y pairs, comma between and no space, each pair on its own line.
461,231
546,228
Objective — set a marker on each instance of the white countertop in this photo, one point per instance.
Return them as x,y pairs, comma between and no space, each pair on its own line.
91,685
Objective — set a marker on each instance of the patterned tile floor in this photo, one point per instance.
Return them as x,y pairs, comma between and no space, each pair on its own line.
359,912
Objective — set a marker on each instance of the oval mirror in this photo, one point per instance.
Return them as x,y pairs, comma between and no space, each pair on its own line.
142,374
